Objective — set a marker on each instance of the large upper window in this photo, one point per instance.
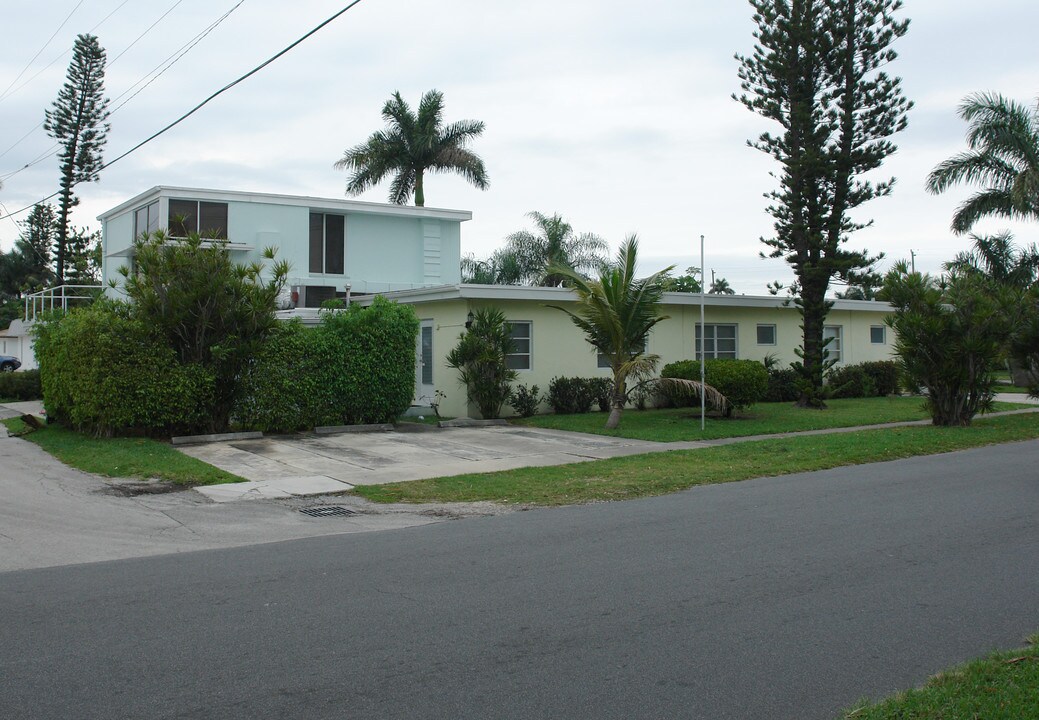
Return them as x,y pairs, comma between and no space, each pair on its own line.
146,219
208,219
519,358
327,244
720,341
834,348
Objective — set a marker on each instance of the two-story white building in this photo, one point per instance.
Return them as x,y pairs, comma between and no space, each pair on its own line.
331,244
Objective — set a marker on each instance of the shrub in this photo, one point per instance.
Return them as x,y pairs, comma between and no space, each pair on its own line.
602,392
951,337
21,385
106,372
570,395
357,367
783,385
884,374
742,382
851,381
479,359
525,402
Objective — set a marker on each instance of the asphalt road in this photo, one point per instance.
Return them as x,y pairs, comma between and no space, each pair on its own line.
774,598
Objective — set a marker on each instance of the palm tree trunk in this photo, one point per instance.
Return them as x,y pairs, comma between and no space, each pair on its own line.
420,196
615,416
620,398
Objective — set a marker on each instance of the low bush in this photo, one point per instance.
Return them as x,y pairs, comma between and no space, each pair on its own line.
570,395
884,374
21,385
782,385
742,382
850,381
525,401
602,390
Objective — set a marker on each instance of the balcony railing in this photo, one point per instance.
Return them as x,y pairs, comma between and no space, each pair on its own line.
61,297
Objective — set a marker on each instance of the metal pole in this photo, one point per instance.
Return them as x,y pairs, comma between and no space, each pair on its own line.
703,344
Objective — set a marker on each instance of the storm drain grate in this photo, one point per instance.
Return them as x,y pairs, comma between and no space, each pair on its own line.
327,511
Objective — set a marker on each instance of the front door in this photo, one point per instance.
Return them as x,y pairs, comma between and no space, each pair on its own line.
424,364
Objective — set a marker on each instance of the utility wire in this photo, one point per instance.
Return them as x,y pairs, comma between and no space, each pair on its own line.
38,52
198,107
176,56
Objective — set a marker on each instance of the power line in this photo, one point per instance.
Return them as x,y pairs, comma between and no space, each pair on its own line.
148,30
176,56
198,107
38,52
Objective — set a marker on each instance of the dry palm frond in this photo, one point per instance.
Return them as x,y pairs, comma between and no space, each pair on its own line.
694,387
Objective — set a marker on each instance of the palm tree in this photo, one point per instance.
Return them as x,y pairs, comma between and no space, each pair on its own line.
721,287
555,245
1003,158
503,267
412,144
616,313
997,258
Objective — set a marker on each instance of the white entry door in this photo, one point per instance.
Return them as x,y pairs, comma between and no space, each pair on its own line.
424,364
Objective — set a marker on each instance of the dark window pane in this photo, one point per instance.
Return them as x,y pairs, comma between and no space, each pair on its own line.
213,220
153,217
317,234
140,222
766,334
427,355
876,334
517,362
183,219
317,294
334,233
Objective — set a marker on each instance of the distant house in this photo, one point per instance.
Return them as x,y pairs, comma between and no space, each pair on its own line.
547,343
331,244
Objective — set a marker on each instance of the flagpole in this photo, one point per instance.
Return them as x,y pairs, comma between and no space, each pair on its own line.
703,344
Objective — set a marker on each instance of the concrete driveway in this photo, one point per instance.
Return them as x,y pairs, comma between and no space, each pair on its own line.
306,464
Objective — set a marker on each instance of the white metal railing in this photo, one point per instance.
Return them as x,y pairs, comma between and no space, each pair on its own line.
58,297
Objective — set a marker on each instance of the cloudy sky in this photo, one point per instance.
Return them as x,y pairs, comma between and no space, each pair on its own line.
617,115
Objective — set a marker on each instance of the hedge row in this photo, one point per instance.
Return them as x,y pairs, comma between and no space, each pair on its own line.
868,379
742,382
570,395
111,374
20,385
357,367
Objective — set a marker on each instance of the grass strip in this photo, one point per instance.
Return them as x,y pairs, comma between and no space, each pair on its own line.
1001,686
666,472
675,424
122,457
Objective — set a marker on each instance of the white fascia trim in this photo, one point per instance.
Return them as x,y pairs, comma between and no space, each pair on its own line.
544,294
314,203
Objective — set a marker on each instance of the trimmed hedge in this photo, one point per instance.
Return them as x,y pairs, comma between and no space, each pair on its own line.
104,372
869,379
783,385
742,382
21,385
571,395
357,367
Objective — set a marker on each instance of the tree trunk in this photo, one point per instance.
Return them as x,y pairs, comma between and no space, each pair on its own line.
420,196
620,398
615,416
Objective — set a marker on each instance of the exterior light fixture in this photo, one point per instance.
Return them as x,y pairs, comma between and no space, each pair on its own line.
469,320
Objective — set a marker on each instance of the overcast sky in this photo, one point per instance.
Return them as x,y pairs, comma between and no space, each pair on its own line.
617,115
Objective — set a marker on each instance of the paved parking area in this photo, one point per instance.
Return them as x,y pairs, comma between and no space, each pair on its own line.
307,464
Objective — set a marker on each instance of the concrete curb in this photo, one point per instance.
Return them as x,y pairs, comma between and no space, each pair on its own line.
470,422
336,429
215,437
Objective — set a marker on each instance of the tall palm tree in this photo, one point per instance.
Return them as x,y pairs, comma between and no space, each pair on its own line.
503,267
1003,158
412,144
616,313
554,244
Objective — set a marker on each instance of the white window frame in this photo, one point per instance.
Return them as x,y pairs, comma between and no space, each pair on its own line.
710,331
529,354
775,333
883,334
836,347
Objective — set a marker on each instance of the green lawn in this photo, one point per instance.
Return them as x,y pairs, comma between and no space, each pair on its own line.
122,457
666,472
1002,686
674,424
